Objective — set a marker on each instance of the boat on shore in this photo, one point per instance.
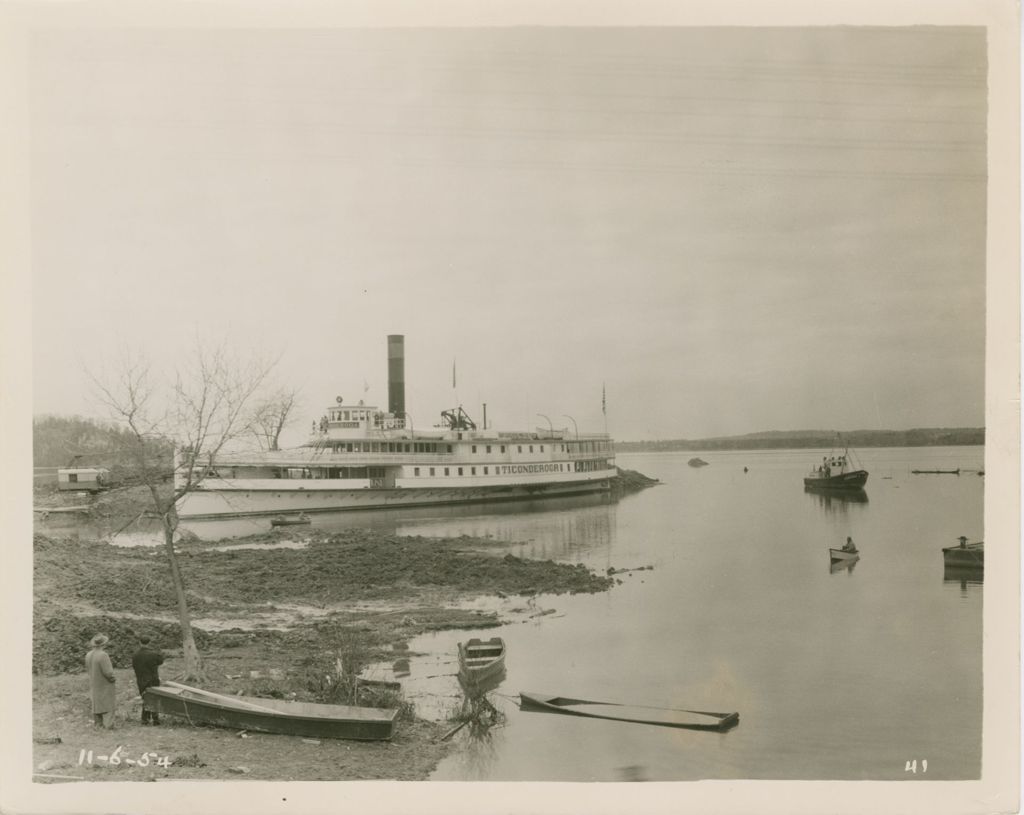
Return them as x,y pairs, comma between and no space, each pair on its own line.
838,472
965,555
295,520
361,457
279,716
480,660
637,714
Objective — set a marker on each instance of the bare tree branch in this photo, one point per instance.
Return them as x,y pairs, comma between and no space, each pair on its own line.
209,408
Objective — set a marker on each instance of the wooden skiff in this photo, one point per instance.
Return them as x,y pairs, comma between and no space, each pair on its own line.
639,714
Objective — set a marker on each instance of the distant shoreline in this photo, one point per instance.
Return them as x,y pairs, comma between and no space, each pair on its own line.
806,439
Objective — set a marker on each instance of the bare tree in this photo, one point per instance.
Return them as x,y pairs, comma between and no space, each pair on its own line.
272,415
207,407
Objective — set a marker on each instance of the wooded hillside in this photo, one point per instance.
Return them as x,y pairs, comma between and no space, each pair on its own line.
799,439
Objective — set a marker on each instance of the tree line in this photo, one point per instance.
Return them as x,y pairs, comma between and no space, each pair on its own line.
801,439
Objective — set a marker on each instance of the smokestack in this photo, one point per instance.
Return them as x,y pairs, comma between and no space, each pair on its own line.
396,374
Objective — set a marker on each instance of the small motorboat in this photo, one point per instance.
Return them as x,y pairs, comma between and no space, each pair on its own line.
290,520
481,659
271,715
637,714
965,555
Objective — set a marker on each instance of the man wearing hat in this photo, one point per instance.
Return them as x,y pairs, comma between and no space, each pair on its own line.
101,682
146,663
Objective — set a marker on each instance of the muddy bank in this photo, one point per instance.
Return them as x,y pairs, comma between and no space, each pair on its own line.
330,570
272,622
61,711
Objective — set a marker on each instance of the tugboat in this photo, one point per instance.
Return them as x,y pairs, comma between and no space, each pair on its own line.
965,556
838,471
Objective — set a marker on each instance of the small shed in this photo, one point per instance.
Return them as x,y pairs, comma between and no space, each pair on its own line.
82,479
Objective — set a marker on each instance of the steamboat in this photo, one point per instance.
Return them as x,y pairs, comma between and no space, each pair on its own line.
361,457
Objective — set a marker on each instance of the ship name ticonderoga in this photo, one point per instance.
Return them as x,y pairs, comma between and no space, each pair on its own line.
511,469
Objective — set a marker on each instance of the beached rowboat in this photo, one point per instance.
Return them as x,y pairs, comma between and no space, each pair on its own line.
639,714
272,715
292,520
481,659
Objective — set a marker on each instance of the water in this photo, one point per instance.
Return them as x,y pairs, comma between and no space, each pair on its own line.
844,674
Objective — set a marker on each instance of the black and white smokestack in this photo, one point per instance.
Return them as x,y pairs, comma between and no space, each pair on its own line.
396,374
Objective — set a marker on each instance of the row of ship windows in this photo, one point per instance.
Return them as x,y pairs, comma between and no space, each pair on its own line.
436,447
578,466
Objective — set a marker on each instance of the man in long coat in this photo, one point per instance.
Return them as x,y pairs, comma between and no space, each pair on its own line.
146,663
101,682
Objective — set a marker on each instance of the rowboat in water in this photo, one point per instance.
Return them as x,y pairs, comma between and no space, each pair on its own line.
639,714
481,659
836,555
272,715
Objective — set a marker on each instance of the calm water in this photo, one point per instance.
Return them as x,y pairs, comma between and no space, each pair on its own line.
842,675
836,675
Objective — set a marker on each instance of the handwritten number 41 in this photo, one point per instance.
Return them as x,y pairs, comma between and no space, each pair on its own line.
912,766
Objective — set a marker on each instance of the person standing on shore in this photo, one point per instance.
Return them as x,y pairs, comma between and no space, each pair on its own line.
101,682
146,663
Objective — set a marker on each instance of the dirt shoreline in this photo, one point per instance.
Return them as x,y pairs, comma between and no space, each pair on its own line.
277,616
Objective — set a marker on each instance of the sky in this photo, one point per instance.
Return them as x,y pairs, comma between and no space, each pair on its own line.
726,230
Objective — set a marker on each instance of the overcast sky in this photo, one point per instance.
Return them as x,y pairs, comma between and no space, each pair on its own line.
732,230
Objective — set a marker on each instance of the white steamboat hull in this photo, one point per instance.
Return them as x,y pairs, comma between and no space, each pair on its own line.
226,502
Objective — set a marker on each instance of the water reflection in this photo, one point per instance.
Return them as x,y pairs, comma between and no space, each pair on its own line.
480,719
837,501
964,575
635,772
473,519
847,566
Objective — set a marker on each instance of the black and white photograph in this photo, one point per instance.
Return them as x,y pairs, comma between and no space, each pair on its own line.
512,394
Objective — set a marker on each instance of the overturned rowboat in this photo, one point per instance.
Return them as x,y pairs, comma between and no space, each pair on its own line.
638,714
271,715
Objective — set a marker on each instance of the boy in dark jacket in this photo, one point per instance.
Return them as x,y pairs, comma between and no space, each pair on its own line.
146,663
